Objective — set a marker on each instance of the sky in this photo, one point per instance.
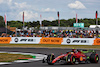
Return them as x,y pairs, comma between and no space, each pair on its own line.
48,9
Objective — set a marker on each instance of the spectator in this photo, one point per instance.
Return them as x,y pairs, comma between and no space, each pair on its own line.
57,33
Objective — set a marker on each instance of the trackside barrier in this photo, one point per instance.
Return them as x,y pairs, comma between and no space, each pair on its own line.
78,41
96,41
25,40
5,40
50,40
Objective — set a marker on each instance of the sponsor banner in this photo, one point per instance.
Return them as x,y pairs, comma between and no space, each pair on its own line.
25,40
78,41
51,40
5,40
96,41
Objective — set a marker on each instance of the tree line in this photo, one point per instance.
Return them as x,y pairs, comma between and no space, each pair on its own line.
63,23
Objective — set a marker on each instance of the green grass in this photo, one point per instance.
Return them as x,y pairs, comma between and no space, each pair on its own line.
49,46
5,57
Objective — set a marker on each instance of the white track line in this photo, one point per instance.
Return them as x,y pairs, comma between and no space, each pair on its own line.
38,57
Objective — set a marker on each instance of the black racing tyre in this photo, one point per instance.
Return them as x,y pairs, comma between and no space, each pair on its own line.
71,58
50,58
94,58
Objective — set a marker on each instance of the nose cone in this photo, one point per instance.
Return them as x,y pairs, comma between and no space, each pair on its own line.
54,61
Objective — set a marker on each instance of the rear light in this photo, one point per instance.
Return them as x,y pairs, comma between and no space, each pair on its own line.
81,58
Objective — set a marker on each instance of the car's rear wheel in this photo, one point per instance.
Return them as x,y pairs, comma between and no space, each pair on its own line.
50,58
94,58
71,59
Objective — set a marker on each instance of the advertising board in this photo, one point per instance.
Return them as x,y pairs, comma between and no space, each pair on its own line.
51,40
96,41
25,40
77,41
5,40
81,25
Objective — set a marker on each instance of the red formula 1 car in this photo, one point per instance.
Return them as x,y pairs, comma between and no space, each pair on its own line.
73,57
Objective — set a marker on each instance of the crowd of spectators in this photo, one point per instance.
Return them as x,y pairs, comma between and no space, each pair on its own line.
67,33
57,33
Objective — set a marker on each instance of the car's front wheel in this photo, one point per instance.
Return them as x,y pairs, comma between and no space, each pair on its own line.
94,58
50,58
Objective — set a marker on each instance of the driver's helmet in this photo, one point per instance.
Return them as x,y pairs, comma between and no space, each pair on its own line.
74,50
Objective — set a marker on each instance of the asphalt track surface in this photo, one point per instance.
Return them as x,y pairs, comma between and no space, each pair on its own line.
56,51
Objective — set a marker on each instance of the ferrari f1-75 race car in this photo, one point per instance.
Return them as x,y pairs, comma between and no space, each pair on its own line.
73,57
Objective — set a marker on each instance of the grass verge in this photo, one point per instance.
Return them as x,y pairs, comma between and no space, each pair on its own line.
50,46
5,57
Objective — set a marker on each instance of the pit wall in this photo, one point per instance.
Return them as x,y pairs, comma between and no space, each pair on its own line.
50,40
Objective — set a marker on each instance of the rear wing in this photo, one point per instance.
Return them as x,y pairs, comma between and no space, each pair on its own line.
88,51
